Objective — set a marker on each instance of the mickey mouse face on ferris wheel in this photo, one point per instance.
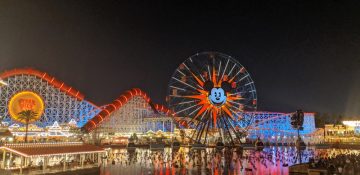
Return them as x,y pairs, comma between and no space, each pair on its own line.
217,95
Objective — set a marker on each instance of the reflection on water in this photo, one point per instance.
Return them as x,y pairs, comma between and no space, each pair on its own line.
272,160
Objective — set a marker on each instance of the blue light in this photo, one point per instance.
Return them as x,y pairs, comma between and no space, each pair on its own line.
272,124
217,96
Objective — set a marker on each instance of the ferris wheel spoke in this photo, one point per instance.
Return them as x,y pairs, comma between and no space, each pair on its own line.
232,79
178,88
184,102
203,115
219,69
227,62
199,82
242,78
202,77
227,111
232,106
202,111
251,107
231,70
235,113
243,104
177,96
197,71
194,110
181,72
247,84
185,109
237,133
209,71
184,83
234,102
243,92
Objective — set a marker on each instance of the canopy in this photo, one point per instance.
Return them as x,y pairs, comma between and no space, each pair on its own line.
51,149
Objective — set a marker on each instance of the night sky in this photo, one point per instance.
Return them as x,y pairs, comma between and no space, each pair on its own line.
300,55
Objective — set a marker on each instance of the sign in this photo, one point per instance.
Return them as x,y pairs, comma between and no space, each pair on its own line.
24,101
352,123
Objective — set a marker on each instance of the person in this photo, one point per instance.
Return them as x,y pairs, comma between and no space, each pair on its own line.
340,169
332,169
41,164
348,168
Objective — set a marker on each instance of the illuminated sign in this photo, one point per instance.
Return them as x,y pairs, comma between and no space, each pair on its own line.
25,101
217,96
352,123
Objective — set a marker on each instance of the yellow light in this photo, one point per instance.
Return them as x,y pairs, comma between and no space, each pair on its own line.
3,83
352,123
26,100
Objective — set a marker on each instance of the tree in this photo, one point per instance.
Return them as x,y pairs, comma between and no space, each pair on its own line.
338,120
319,120
26,116
134,137
76,132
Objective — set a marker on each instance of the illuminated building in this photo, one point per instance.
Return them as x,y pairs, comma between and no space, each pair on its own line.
276,127
55,155
348,131
54,132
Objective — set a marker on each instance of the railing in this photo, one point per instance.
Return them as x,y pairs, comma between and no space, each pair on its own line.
43,144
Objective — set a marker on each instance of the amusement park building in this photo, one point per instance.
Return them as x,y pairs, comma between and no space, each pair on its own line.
131,112
275,126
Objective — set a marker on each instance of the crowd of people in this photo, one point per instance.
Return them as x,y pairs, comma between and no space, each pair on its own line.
187,161
272,160
337,161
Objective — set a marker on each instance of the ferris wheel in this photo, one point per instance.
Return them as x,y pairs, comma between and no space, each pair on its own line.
212,91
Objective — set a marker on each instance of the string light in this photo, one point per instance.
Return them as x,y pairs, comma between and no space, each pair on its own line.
11,147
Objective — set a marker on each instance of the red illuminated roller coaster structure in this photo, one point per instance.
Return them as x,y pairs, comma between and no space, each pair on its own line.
64,103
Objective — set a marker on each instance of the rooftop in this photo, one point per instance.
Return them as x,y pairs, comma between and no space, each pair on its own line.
51,149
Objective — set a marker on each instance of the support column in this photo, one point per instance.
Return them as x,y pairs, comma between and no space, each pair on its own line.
64,167
99,158
82,157
46,159
171,126
163,126
10,161
21,163
4,158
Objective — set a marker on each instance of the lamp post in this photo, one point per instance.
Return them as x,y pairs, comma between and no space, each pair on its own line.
297,120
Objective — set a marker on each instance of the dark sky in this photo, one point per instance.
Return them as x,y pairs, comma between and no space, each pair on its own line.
300,55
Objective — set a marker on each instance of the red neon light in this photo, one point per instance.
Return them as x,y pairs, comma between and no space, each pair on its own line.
46,77
107,111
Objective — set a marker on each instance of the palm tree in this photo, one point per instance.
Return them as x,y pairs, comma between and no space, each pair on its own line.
182,135
26,116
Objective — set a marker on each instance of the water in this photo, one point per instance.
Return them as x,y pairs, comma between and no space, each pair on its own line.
272,160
